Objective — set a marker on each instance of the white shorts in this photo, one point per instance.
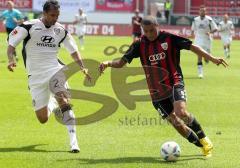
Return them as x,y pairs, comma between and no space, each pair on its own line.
41,90
226,40
80,30
204,44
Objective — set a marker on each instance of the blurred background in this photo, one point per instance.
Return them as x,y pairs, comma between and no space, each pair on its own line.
113,17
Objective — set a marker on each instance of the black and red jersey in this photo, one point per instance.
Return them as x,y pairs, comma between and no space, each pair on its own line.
161,62
136,28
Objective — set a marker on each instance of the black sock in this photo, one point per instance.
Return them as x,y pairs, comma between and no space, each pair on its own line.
194,139
196,127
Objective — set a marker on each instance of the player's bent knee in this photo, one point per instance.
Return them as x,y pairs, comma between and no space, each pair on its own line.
42,115
42,120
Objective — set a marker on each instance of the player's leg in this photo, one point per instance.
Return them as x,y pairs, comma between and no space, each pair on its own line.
82,31
165,109
68,119
40,98
199,59
229,39
9,30
200,67
181,112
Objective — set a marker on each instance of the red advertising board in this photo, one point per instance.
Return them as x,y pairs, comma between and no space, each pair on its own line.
19,4
126,30
114,5
119,5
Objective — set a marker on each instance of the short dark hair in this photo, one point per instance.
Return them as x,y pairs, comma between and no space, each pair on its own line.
50,4
149,20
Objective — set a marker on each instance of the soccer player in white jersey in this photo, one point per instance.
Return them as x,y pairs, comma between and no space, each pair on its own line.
41,42
80,22
226,30
203,27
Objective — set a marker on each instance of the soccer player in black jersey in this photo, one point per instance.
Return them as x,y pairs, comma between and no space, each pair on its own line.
159,53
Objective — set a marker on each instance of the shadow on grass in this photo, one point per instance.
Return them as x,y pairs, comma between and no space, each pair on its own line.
191,77
29,148
150,160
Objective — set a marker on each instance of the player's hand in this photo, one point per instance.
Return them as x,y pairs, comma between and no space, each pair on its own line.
89,78
11,66
103,66
219,61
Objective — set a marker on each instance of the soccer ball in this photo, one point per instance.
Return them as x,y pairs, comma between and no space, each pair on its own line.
170,151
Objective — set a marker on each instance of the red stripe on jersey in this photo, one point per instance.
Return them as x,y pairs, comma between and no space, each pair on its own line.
155,76
164,66
144,47
170,58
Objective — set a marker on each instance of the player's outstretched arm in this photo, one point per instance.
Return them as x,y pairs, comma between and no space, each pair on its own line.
77,58
199,51
115,64
11,61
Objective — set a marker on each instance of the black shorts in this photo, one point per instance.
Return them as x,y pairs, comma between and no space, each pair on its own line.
137,35
165,107
9,30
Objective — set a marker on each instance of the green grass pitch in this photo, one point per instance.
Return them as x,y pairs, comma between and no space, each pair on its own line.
113,141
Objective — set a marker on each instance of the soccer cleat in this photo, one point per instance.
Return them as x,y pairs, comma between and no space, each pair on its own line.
75,148
200,76
207,146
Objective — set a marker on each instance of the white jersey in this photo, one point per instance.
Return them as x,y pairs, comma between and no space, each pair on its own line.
202,26
81,20
41,45
226,29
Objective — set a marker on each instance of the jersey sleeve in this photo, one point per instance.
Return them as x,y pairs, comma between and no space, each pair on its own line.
181,42
132,52
69,43
213,25
17,35
19,15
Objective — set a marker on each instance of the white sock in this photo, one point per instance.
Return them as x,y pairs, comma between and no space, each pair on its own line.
200,70
228,52
81,40
69,121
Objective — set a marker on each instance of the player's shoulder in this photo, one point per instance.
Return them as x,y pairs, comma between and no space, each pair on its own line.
230,22
59,26
32,22
196,18
209,18
4,12
16,11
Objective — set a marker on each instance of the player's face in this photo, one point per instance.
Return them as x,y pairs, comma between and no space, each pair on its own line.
9,6
202,12
150,31
51,16
225,18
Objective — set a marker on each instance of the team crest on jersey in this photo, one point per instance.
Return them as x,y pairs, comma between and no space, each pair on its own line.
164,46
56,31
14,32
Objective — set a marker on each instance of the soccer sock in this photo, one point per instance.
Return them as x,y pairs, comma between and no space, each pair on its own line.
200,68
81,40
225,52
192,138
196,127
69,121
